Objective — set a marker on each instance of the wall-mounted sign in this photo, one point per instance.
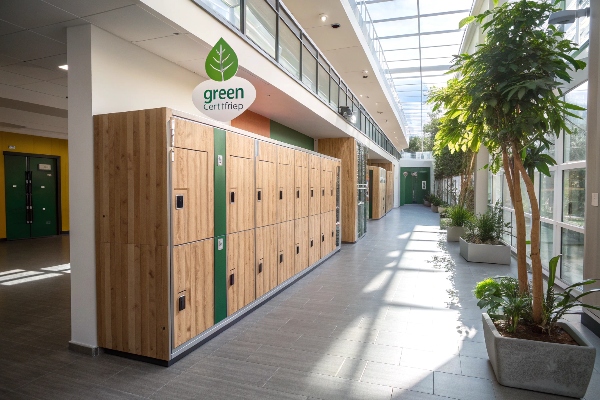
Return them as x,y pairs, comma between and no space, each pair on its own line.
224,96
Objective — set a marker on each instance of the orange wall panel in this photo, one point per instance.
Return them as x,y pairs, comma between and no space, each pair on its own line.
253,122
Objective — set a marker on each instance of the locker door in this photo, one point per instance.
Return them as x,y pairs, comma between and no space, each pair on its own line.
285,184
314,194
266,259
285,253
193,290
300,245
332,231
324,238
193,196
44,196
240,183
314,239
301,189
240,270
15,170
266,184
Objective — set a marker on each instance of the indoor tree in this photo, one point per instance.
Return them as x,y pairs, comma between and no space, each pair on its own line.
508,97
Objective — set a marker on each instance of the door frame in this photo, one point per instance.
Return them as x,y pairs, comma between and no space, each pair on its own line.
58,183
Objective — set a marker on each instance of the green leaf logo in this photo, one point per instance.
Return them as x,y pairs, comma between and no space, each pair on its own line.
222,62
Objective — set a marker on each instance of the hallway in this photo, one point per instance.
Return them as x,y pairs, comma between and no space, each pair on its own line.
376,321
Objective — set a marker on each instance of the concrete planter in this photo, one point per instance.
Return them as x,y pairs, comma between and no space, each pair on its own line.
434,208
485,253
554,368
441,209
426,203
453,233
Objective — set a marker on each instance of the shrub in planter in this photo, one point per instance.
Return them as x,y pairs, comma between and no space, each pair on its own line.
550,357
482,239
426,199
435,202
459,216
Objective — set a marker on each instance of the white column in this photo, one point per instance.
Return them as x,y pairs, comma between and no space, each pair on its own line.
481,180
81,189
591,266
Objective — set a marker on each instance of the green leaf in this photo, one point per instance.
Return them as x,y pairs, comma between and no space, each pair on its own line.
466,21
521,93
222,62
543,168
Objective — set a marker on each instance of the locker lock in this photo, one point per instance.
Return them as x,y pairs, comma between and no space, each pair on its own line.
311,242
280,258
181,302
260,268
312,193
298,193
259,195
179,202
281,195
297,249
322,237
231,279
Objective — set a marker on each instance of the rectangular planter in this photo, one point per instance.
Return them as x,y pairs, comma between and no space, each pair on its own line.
485,253
453,233
434,208
554,368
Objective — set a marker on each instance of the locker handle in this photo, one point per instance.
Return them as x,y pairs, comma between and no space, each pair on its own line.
322,192
322,237
332,233
231,279
312,193
181,302
259,195
298,193
232,197
297,249
311,242
281,195
260,267
280,258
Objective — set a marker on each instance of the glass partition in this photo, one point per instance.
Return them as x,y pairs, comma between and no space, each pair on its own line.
261,21
289,49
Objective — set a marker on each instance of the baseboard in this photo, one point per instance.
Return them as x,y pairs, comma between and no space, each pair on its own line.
64,232
591,323
84,349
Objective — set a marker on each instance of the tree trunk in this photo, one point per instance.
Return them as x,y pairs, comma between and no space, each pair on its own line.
537,282
514,188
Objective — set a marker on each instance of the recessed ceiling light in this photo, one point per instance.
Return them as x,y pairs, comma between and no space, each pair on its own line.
323,17
65,67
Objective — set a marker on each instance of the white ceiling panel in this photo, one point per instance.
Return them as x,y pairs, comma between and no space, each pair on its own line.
32,13
9,78
58,31
175,47
89,7
5,60
47,88
34,71
61,81
27,45
196,66
7,27
132,23
51,62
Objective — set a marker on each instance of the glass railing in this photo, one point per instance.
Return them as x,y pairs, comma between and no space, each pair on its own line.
419,155
368,28
270,27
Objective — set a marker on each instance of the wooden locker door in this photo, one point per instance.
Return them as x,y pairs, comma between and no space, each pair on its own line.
301,189
266,193
324,185
193,281
285,253
285,184
300,245
266,259
324,237
332,229
240,270
240,194
314,239
314,184
192,201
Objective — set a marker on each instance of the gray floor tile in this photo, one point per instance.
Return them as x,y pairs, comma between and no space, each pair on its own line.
462,387
419,380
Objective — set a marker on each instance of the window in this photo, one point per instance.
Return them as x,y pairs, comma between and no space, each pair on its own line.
323,83
261,22
574,196
546,242
334,90
572,260
289,49
575,143
546,195
228,9
309,69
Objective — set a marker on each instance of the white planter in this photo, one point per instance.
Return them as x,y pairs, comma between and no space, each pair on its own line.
434,208
485,253
441,209
426,203
453,233
555,368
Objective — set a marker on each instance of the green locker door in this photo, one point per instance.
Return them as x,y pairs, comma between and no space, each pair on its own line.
44,196
15,170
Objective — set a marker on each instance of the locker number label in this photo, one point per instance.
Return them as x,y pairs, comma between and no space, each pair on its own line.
220,160
219,244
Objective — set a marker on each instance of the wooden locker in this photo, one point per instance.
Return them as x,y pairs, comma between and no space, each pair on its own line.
389,188
266,259
314,182
301,188
266,184
332,228
240,270
326,178
285,251
193,280
285,184
240,183
377,195
314,239
192,199
325,237
300,245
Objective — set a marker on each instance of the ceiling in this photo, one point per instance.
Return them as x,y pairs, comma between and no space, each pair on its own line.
419,38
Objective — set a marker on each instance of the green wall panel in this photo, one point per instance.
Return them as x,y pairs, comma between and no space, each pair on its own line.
220,191
287,135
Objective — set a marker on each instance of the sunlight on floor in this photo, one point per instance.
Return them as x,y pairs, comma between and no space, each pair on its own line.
18,276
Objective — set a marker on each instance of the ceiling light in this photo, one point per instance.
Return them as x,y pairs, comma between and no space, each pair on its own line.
65,67
323,17
568,16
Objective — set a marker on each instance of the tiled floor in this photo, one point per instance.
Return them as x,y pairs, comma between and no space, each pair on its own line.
377,321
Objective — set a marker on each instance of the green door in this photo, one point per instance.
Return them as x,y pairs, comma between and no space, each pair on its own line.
17,221
31,196
43,197
414,184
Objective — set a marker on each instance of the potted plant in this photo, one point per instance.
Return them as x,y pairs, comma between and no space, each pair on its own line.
435,203
442,209
551,357
481,241
458,216
508,97
426,198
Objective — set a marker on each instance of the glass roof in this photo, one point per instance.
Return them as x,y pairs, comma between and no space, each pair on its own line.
419,39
